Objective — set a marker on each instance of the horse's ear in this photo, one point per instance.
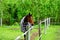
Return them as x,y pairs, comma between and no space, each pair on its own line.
30,14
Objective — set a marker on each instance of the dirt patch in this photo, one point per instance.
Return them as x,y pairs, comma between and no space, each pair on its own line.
34,35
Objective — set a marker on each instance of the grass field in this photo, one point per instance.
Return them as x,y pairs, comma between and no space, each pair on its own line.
53,33
11,32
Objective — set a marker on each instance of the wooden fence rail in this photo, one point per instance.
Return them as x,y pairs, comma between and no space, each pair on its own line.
27,33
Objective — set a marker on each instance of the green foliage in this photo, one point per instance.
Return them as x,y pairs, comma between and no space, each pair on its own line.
14,10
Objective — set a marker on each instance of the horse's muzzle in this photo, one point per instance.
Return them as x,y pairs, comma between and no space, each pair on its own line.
32,24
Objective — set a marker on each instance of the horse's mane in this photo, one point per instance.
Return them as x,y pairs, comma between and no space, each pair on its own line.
26,17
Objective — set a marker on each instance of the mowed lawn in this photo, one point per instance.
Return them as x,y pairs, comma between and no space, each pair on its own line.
11,32
53,33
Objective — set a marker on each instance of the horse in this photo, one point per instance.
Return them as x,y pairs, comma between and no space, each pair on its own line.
25,21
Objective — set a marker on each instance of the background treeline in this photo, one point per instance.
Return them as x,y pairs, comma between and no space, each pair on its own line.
13,10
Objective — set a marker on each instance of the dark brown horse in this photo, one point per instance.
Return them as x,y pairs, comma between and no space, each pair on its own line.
26,20
29,19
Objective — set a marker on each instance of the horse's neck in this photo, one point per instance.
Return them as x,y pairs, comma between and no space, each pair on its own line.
22,21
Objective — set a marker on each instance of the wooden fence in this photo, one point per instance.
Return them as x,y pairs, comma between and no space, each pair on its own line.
27,33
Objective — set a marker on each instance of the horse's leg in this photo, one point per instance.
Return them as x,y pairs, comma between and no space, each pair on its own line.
25,34
24,37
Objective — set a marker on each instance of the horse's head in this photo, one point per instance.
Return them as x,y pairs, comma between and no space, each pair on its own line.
29,19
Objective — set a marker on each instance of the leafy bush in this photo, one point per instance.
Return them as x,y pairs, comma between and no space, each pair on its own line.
14,10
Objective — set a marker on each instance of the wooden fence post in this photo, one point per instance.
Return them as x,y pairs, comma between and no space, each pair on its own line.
28,34
39,29
47,24
45,27
1,17
49,21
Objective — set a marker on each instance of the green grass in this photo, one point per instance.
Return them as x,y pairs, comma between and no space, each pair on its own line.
51,33
11,32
